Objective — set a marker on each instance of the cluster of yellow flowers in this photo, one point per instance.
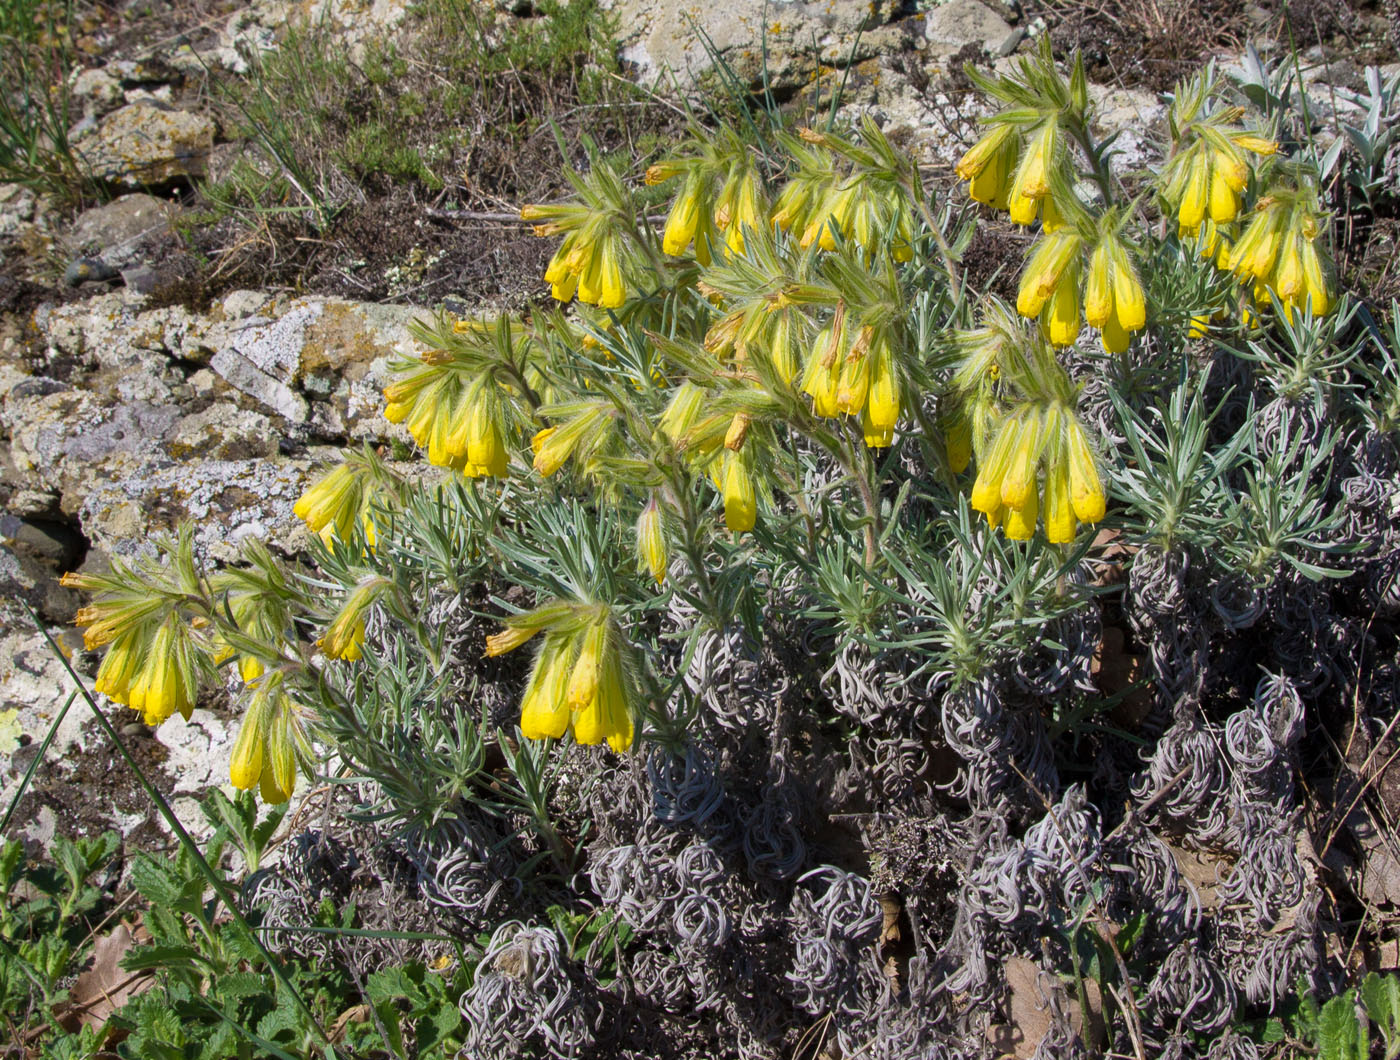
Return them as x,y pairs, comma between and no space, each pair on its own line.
265,751
155,656
1015,408
1205,183
159,653
578,681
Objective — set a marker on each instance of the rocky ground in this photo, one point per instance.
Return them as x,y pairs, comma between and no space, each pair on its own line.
179,342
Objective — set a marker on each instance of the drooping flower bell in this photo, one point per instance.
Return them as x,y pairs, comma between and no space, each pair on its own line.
591,262
578,681
1278,252
265,749
1208,171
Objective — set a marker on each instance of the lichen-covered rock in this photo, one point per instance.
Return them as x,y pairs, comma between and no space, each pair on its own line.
661,40
36,684
226,500
951,26
223,431
143,144
125,231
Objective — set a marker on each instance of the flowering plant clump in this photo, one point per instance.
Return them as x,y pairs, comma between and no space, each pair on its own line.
764,474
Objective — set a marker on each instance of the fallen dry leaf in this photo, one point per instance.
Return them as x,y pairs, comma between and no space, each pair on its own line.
1031,1013
1203,870
106,986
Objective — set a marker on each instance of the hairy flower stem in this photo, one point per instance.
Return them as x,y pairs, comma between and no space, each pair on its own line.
1079,129
950,264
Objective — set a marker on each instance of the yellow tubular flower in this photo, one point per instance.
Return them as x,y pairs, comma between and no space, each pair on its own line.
1254,255
883,408
613,293
1098,291
554,445
1288,276
651,540
1060,322
325,498
983,155
1224,201
1059,513
509,639
681,222
781,354
1085,489
121,665
1031,184
681,413
544,710
1018,485
1196,195
1129,302
1033,174
245,764
584,677
1048,261
853,382
986,488
167,679
345,637
606,716
740,502
279,767
822,378
590,277
1315,284
486,453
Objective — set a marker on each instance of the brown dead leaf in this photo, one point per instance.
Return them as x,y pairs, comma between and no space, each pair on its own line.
1031,1013
353,1014
1204,870
1113,558
105,986
1379,876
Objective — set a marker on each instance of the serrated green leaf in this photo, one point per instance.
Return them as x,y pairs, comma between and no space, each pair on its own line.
1340,1035
391,983
158,883
161,957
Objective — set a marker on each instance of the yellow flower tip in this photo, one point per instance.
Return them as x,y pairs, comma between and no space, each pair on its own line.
534,212
1200,326
1020,522
740,502
1022,209
249,669
544,709
508,640
651,541
1085,487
